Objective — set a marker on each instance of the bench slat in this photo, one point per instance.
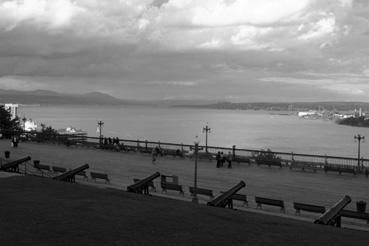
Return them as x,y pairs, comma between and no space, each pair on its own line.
170,186
308,207
269,201
103,176
354,215
201,191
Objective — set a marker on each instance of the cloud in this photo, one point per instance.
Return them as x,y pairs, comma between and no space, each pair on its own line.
47,14
18,83
119,45
342,83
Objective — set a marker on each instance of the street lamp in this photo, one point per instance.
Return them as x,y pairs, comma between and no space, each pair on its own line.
100,124
194,198
206,129
359,138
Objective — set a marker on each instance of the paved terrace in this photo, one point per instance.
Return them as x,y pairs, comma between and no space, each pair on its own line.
278,183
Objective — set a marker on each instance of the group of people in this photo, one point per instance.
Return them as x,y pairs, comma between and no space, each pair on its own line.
15,141
109,141
221,158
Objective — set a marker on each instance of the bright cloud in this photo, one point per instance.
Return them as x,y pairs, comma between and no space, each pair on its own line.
52,14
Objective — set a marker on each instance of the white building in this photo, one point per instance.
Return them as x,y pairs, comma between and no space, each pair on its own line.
13,109
307,114
30,125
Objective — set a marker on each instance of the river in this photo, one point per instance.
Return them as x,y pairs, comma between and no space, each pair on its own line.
243,128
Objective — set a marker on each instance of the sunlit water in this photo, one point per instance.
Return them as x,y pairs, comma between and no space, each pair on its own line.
245,129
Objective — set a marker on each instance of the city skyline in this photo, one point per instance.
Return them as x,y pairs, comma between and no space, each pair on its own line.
232,50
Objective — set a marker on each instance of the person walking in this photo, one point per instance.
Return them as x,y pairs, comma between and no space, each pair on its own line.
154,154
222,159
229,159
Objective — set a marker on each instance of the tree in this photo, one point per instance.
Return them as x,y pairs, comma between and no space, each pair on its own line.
8,126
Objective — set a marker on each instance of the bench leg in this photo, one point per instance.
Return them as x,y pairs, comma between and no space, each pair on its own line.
297,212
258,205
283,210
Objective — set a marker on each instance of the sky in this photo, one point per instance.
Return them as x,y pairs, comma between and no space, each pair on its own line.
228,50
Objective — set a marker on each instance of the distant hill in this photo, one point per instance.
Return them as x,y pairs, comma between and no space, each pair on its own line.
295,106
45,97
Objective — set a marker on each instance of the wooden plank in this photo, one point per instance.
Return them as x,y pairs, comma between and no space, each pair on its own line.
308,207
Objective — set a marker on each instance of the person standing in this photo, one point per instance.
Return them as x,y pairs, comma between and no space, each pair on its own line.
222,159
217,157
154,154
229,159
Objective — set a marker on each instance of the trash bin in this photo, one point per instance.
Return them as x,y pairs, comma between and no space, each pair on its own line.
7,154
361,206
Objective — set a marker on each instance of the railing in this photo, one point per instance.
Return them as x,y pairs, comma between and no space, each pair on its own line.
146,146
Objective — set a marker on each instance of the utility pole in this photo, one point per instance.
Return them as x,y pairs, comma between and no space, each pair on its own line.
359,138
196,145
206,129
100,124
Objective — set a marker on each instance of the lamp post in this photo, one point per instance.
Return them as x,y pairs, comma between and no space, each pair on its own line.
100,124
359,138
194,198
206,129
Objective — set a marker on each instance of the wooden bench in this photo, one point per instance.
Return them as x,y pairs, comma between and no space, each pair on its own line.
303,165
41,167
171,186
150,184
355,215
308,207
82,174
339,169
201,191
202,156
241,159
272,202
103,176
239,197
58,169
269,162
173,152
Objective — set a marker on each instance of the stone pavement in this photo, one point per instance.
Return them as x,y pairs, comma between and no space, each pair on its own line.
278,183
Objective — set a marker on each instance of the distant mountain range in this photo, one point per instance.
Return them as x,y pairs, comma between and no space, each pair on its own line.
287,106
45,97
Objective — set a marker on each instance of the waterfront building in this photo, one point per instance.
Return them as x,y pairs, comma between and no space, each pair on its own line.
29,126
72,131
13,109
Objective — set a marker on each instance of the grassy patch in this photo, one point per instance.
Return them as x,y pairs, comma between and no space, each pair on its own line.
40,211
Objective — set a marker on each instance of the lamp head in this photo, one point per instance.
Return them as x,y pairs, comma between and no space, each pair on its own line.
196,142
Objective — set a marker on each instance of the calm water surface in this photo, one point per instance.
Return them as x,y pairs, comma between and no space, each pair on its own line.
245,129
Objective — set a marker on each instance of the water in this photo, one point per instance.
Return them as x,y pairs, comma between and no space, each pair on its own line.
245,129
